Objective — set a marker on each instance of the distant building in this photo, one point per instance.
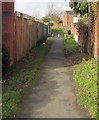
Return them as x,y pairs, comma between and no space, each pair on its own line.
75,19
68,18
56,24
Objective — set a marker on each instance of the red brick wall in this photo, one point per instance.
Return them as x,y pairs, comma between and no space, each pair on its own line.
88,41
67,20
80,34
55,25
0,22
93,38
8,27
74,31
96,38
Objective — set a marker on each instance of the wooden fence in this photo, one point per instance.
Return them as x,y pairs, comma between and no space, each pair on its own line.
25,34
21,32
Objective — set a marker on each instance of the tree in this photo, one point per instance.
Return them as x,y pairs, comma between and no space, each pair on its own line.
50,9
54,12
79,7
57,14
46,19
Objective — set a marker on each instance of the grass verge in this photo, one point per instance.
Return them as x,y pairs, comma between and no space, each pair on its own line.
85,76
25,71
59,31
70,44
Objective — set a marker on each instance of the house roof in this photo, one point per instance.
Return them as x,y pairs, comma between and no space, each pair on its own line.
70,12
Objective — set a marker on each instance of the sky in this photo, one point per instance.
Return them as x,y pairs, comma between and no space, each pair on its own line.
38,8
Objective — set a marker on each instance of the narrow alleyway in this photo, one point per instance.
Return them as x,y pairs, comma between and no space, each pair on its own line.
53,96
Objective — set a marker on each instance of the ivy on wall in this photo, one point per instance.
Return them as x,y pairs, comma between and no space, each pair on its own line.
94,8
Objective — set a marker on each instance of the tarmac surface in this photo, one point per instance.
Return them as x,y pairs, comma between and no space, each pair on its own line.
54,95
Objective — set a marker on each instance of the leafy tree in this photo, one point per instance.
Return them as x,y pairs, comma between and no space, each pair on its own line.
46,19
79,7
54,12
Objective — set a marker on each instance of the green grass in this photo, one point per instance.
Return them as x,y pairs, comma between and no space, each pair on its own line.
85,76
70,44
59,31
26,72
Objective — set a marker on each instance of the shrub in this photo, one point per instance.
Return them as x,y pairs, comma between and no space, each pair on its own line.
59,31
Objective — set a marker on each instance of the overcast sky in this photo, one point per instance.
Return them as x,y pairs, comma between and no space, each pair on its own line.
38,8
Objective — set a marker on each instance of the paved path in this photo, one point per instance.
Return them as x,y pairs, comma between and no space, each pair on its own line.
53,96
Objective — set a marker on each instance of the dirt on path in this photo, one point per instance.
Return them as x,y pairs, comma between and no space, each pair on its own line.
53,96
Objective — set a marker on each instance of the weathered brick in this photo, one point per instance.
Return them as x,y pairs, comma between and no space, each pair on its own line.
67,19
8,27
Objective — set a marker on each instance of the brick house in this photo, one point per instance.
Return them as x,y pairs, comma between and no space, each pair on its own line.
57,24
68,19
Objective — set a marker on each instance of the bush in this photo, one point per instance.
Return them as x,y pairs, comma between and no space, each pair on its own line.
59,31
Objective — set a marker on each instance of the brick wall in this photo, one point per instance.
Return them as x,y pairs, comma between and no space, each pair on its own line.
55,24
93,38
8,27
74,31
87,35
96,38
80,34
0,22
67,20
